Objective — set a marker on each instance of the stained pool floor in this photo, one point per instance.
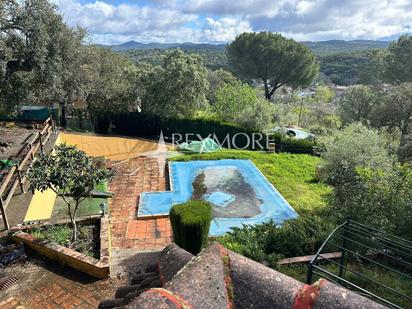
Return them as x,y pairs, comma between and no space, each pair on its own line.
239,192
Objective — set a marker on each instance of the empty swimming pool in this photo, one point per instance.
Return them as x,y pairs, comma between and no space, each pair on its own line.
239,192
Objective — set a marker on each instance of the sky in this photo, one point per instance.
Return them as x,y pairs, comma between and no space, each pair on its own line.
214,21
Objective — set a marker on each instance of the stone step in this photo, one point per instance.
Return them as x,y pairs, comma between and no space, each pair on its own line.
124,290
138,278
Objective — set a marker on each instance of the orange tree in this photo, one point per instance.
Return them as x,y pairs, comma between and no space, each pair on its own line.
69,172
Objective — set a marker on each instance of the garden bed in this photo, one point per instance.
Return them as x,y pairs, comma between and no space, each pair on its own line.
87,242
53,241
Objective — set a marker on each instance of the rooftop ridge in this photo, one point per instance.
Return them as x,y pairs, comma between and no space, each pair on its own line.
220,278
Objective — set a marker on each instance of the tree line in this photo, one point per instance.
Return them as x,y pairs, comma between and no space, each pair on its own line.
384,101
44,61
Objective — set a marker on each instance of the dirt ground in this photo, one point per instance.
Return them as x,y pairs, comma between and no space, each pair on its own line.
13,142
12,146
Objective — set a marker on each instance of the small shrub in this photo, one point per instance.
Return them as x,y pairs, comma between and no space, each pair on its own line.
353,147
269,241
190,223
232,99
246,241
257,116
298,237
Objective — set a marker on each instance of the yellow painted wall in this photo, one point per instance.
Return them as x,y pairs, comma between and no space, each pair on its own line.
41,204
112,148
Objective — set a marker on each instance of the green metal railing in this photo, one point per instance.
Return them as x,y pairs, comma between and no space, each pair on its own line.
362,243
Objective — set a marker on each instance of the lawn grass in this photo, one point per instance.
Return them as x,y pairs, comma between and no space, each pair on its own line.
291,174
102,186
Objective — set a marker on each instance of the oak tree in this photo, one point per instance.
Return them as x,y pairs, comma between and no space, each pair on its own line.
176,88
38,53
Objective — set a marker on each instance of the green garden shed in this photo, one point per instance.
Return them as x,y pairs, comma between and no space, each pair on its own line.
33,112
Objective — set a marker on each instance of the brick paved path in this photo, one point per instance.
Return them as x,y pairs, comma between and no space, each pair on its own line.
130,235
126,230
50,285
134,244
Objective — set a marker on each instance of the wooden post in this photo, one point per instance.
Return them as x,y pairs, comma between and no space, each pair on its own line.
271,147
31,153
309,274
41,144
20,181
3,212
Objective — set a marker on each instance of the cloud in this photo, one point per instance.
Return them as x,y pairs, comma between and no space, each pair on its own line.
224,29
112,23
232,8
315,19
221,21
326,19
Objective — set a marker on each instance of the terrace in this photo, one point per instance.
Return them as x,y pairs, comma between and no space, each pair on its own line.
139,230
128,236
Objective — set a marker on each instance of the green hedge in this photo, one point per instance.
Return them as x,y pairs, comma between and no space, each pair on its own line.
190,223
150,126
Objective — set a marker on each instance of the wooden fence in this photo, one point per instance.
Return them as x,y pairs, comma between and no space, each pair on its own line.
16,176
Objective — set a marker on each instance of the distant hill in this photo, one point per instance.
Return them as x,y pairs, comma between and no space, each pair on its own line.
187,46
319,48
342,62
340,46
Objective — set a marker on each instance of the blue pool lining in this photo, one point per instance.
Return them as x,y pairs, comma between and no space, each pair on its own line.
274,205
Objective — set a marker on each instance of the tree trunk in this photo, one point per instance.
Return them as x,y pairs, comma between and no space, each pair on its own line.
267,94
74,235
404,132
76,207
63,119
73,220
272,91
